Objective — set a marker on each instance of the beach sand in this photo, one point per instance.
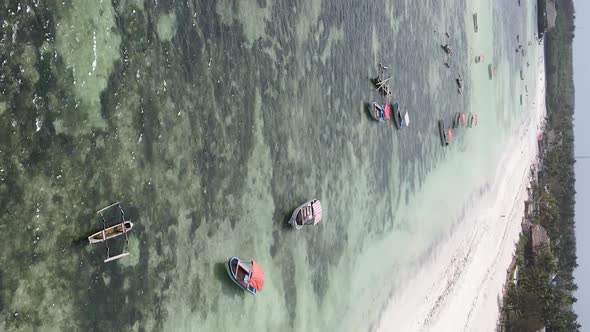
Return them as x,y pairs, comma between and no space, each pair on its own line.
460,285
460,288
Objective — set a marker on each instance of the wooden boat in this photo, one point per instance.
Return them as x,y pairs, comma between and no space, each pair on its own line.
456,120
475,26
249,277
110,232
472,120
445,135
308,213
381,82
380,113
122,227
400,120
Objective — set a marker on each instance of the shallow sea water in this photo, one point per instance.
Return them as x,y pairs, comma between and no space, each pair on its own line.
210,122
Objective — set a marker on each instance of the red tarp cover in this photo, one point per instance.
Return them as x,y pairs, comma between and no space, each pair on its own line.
463,118
257,278
317,210
387,111
450,135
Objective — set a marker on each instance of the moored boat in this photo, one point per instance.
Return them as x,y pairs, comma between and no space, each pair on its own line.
380,113
446,135
472,120
248,276
122,227
400,119
308,213
456,120
111,232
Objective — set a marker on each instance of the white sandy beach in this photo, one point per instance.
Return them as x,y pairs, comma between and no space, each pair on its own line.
460,287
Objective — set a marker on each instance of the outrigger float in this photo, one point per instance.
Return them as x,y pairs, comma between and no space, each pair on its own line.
308,213
111,232
249,277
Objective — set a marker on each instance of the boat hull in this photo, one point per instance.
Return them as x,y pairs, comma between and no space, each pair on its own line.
228,266
111,232
397,116
374,111
293,220
441,131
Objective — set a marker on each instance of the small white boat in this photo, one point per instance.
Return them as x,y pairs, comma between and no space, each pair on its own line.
308,213
400,119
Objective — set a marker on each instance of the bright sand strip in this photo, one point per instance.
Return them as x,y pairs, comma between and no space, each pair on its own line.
460,286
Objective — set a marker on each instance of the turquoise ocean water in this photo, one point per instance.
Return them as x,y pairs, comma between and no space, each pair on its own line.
211,121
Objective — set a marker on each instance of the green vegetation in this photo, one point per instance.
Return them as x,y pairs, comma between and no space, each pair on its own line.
543,296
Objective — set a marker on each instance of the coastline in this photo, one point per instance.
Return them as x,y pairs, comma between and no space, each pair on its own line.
463,282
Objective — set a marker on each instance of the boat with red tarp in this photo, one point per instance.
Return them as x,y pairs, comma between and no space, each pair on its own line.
248,276
308,213
380,113
446,134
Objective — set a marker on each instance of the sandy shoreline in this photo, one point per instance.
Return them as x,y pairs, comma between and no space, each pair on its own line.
461,285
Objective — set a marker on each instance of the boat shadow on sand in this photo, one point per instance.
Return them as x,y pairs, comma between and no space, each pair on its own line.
367,111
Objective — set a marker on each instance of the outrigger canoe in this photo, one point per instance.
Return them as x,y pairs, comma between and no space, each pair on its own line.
122,227
380,113
308,213
111,232
248,276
